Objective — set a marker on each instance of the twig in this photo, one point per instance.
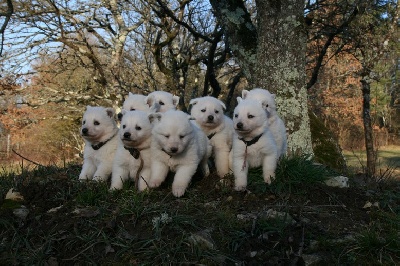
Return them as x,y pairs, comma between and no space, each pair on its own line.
23,157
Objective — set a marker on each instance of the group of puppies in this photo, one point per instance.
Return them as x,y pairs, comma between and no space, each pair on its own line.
154,138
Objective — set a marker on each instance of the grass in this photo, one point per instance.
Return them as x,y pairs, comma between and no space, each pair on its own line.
388,159
210,225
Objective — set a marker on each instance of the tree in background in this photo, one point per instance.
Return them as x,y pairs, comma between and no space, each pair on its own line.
271,54
372,39
94,52
6,11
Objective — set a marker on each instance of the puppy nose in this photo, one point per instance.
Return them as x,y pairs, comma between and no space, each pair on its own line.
85,131
239,125
119,116
174,149
210,118
127,135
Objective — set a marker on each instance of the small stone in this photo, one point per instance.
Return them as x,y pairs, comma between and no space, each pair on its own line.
21,213
14,195
338,181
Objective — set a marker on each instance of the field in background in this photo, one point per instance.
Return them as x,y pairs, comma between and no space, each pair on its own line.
388,160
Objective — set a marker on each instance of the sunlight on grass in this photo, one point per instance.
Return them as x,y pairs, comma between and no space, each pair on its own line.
388,157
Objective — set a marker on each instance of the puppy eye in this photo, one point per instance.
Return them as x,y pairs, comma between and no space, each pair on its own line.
138,128
83,122
216,111
250,116
181,137
133,109
161,102
203,110
236,115
167,136
96,123
124,126
266,105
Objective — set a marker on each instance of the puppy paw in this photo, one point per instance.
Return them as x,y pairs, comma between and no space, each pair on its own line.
99,178
83,178
240,188
269,178
154,183
206,171
178,191
115,187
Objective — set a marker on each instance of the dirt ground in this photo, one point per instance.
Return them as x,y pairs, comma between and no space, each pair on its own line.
323,225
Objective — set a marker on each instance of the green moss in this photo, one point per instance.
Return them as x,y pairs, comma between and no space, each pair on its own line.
325,146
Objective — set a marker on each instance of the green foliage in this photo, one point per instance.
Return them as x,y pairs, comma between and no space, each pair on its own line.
325,146
293,175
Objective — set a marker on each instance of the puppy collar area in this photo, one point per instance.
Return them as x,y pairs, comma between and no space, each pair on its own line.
251,142
211,135
248,143
133,151
101,144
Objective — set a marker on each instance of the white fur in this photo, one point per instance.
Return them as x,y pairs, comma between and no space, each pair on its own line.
134,132
135,102
249,120
276,124
180,146
162,101
209,115
98,126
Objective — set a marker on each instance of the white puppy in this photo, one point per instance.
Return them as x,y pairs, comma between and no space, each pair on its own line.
162,101
132,159
135,102
180,146
253,145
99,131
276,124
209,114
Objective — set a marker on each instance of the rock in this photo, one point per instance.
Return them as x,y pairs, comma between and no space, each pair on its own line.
338,181
271,214
14,195
21,213
369,205
312,259
202,239
55,209
87,212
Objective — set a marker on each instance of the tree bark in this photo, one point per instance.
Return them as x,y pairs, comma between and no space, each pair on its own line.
272,56
368,134
240,32
281,54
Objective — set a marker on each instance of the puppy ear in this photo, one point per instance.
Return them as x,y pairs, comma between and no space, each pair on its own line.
175,100
264,103
222,104
149,100
194,101
244,93
239,99
155,117
110,112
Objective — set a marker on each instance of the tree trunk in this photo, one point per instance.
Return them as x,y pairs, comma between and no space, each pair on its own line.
368,134
272,56
282,52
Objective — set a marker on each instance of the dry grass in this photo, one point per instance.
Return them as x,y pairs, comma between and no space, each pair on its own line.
388,158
